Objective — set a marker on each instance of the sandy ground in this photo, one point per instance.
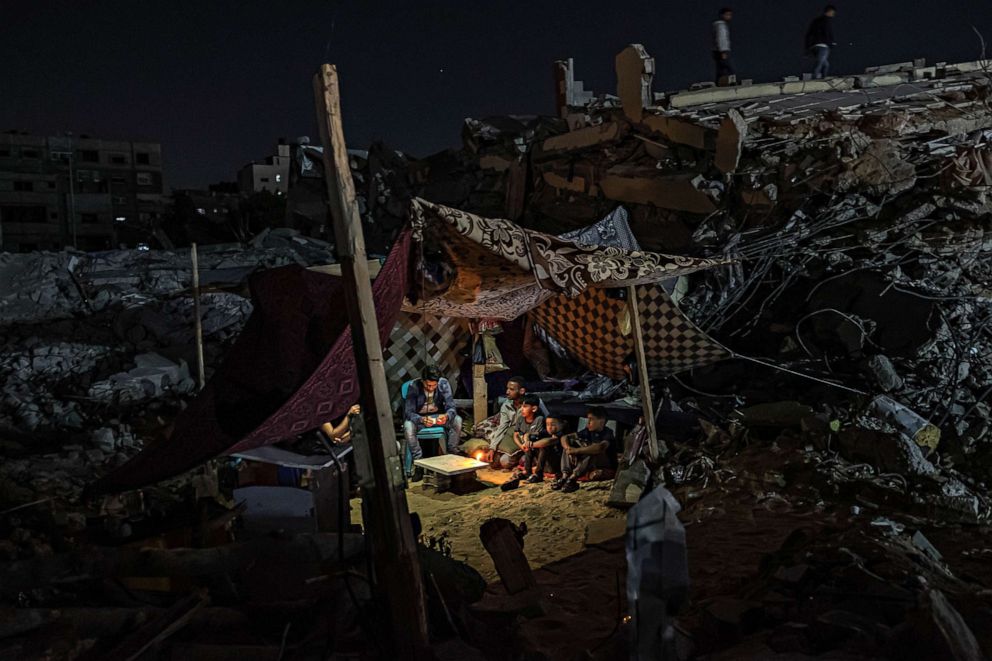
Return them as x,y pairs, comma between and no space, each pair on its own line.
557,522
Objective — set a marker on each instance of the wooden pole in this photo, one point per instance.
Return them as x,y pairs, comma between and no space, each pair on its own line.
398,580
198,323
647,407
480,393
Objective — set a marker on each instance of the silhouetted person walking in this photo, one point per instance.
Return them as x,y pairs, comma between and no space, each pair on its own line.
820,39
721,44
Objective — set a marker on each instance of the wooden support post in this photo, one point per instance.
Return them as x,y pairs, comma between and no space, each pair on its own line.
198,322
500,539
398,580
647,407
480,393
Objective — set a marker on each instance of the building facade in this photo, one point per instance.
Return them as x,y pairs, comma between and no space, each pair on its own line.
80,192
271,175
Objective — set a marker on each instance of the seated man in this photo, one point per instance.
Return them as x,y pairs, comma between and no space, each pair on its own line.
429,403
529,424
590,449
547,446
341,432
508,412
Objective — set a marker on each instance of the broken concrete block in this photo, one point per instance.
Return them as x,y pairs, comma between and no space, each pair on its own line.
882,170
667,192
918,428
888,452
584,137
776,414
681,131
104,439
728,619
569,93
920,541
730,142
575,184
885,373
941,631
635,71
792,575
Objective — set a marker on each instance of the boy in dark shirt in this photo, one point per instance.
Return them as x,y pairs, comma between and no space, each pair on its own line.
527,427
545,448
587,450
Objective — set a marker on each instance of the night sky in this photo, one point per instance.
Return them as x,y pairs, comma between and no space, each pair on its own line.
218,81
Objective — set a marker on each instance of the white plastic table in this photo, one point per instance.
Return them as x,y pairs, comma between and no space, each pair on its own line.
449,471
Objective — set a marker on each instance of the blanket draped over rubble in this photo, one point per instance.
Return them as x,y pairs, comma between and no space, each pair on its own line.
293,367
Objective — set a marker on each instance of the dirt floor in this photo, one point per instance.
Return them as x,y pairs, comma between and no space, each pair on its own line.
557,523
735,532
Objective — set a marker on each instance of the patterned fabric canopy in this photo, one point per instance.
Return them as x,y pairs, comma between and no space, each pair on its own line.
491,267
595,330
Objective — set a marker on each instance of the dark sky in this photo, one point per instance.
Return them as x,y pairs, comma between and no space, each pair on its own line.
218,81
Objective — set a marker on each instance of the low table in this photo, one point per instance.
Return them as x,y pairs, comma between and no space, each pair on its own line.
449,472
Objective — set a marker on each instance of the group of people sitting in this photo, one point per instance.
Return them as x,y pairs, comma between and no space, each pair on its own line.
527,439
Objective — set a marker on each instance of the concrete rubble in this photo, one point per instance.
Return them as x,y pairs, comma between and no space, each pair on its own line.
834,504
88,339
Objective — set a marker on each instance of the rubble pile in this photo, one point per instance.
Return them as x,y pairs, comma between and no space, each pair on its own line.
835,495
850,557
96,350
856,213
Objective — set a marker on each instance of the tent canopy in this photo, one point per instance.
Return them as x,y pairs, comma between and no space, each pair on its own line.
492,268
293,366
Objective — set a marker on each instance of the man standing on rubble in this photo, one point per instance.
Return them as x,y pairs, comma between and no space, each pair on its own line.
721,44
820,39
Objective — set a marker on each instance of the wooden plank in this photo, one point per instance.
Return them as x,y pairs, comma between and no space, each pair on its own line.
158,628
647,407
502,542
480,393
198,321
99,562
398,579
335,269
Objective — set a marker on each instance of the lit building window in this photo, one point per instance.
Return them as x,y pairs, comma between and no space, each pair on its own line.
278,178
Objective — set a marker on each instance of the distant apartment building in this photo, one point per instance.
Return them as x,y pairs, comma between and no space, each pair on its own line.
85,192
271,175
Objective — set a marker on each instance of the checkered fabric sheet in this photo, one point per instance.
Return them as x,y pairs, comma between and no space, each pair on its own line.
420,339
589,328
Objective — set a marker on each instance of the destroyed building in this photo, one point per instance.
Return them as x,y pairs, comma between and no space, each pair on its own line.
80,191
832,468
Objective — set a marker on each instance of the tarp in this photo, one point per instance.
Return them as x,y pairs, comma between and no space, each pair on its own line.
291,369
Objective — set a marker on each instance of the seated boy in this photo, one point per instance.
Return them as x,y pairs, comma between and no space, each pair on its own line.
546,445
528,424
585,451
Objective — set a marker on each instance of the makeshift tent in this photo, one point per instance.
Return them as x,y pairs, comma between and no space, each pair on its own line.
293,366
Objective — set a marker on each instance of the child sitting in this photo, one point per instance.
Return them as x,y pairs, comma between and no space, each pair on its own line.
544,450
